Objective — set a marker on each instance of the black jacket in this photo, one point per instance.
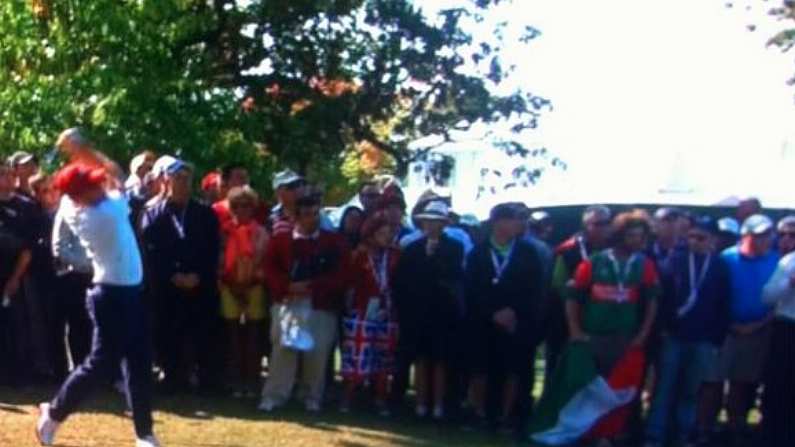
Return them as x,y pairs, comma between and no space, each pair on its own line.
167,252
427,288
708,319
519,288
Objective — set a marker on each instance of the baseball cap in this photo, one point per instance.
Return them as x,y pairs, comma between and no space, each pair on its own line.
285,178
667,212
211,181
469,220
707,224
729,225
20,158
756,224
539,216
162,164
504,211
596,211
435,210
137,162
77,178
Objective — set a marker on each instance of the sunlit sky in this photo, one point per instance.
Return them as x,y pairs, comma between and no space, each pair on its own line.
655,94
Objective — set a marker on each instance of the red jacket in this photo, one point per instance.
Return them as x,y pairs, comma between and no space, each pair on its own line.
364,282
323,260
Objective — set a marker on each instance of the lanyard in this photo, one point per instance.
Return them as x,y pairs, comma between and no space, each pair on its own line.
583,249
499,267
662,254
179,223
621,273
381,272
695,283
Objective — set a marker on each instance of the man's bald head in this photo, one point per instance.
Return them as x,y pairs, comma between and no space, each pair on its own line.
71,141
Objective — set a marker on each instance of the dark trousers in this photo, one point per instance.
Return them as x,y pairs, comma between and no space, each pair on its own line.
502,357
39,300
778,404
556,335
189,330
7,351
70,312
121,334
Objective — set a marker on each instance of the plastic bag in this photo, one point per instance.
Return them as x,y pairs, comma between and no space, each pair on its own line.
294,325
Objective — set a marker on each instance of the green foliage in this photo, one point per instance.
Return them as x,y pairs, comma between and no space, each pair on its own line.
269,83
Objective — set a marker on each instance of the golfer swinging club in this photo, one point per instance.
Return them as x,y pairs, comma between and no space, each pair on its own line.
97,212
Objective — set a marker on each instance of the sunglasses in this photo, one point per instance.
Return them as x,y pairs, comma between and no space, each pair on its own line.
697,237
601,223
785,234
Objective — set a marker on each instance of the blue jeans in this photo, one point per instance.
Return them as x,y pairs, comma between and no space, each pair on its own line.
682,367
120,336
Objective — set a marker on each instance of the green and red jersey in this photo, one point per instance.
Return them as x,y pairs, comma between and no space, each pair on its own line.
613,292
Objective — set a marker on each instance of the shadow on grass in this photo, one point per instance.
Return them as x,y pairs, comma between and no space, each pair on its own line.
399,430
11,409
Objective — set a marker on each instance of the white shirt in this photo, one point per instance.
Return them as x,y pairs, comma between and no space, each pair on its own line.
67,250
778,290
104,230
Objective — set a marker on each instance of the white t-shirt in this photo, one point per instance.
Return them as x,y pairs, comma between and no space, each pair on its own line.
105,231
778,291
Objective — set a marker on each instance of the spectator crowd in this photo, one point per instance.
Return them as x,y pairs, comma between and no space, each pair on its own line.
271,303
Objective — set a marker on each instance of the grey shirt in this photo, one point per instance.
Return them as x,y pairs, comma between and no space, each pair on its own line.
70,255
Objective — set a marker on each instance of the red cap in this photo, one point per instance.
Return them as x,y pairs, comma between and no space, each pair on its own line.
392,195
77,178
211,181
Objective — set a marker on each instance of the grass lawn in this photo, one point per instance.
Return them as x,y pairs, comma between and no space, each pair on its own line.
222,422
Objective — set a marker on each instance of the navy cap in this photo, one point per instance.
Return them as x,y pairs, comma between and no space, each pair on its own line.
706,223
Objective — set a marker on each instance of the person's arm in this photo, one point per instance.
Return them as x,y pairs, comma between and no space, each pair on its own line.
648,323
451,265
208,266
560,276
65,245
152,248
573,317
478,305
93,157
11,286
576,293
530,306
277,276
724,308
60,236
781,284
650,290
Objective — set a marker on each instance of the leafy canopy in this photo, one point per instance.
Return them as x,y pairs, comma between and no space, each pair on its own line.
299,83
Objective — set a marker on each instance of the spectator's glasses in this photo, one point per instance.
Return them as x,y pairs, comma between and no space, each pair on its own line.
371,195
601,223
786,234
697,237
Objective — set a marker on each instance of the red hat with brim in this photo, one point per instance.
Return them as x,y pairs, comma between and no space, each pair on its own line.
75,179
